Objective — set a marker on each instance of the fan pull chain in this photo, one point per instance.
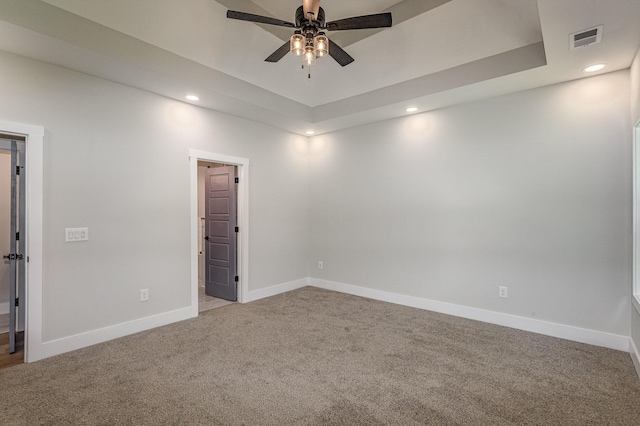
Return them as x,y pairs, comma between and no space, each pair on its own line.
309,71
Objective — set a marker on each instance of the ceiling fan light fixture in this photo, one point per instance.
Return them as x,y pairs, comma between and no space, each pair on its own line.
296,44
321,45
309,24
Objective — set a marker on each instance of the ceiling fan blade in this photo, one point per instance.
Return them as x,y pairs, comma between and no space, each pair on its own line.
279,54
379,20
242,16
337,53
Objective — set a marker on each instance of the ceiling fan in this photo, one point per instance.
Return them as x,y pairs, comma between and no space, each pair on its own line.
309,39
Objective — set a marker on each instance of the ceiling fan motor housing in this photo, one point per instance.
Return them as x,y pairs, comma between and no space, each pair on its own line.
302,21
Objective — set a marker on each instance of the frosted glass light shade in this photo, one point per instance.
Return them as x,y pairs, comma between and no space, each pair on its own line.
321,45
309,58
296,44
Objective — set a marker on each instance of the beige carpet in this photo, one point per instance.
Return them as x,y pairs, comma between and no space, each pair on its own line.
314,357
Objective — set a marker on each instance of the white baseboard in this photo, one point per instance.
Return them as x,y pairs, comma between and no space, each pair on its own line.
592,337
635,355
277,289
613,341
4,308
82,340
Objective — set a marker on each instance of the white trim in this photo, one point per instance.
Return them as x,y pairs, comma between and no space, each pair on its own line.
635,355
277,289
193,197
92,337
636,216
243,220
4,308
34,207
562,331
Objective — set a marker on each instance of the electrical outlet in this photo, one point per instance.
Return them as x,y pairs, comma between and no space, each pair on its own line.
502,291
320,264
144,294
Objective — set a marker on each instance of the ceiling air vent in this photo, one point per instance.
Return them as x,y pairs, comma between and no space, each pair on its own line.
585,37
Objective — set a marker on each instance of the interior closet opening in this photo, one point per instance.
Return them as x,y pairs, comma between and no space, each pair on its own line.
12,249
217,235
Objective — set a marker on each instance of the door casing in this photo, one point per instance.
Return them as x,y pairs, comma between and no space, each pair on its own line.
34,150
15,146
243,221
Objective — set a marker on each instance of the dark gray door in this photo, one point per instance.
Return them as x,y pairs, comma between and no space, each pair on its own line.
220,233
15,257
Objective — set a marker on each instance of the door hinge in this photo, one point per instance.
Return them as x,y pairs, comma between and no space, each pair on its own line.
237,229
17,170
237,180
237,278
17,301
17,236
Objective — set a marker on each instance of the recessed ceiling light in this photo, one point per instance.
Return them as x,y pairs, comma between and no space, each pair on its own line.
193,98
594,68
412,109
310,132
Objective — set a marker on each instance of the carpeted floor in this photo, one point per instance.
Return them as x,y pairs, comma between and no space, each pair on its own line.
315,357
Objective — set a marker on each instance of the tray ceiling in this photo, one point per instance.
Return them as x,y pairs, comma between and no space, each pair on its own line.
438,52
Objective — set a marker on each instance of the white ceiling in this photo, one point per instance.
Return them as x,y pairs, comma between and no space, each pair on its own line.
438,52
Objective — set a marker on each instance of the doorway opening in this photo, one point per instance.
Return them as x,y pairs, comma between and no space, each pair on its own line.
33,137
217,235
12,249
219,230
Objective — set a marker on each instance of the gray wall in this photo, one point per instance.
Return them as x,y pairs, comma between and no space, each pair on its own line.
530,190
116,161
635,89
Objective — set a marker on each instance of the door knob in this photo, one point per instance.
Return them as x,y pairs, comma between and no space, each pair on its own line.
12,256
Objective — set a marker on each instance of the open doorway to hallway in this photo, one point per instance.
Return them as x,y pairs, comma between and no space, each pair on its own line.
241,184
12,248
217,235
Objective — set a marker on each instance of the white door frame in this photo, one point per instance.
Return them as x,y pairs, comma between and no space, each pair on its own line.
243,221
34,150
635,299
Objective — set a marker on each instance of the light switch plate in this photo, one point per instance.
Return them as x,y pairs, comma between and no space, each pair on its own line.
76,234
